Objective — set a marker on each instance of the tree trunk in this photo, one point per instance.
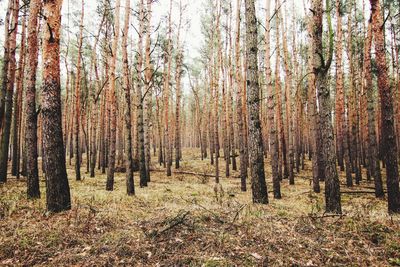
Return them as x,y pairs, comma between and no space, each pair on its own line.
149,90
239,103
140,101
288,105
373,159
57,191
18,107
130,187
389,145
273,142
78,100
167,144
320,68
32,175
5,131
6,61
342,147
259,187
113,103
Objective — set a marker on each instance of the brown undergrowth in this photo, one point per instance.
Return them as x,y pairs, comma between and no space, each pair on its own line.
180,221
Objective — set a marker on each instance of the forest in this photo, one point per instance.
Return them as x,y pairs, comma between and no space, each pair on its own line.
199,133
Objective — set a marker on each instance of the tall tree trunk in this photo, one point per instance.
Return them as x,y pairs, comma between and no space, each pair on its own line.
32,175
288,105
166,97
373,160
78,99
140,100
57,191
130,187
16,148
386,98
259,187
239,103
5,131
6,61
149,90
321,68
113,102
342,143
339,87
273,142
281,151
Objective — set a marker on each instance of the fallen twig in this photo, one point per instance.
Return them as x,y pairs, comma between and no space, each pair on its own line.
216,217
358,192
191,173
177,220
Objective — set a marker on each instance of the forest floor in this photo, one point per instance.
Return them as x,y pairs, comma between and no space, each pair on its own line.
180,221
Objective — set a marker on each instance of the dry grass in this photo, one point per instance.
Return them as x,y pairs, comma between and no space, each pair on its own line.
179,221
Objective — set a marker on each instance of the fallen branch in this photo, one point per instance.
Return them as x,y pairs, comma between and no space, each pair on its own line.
238,212
177,220
358,192
191,173
216,217
326,216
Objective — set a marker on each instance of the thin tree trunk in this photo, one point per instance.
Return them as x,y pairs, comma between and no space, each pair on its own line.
5,131
32,175
373,159
113,103
6,61
18,107
149,90
239,103
273,142
140,101
130,187
78,99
